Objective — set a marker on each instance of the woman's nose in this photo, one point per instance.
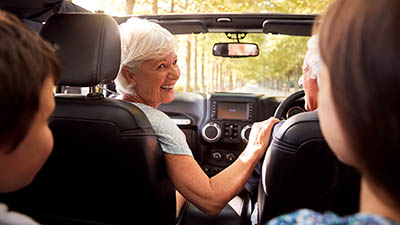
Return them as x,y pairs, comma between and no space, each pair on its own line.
174,73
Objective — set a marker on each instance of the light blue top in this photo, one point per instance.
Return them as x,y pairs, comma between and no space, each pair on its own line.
172,139
309,217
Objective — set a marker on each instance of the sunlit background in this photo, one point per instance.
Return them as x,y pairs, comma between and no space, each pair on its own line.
124,7
276,69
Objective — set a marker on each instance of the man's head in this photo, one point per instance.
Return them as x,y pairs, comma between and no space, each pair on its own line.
28,68
311,69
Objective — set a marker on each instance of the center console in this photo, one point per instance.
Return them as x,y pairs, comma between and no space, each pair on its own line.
226,130
217,125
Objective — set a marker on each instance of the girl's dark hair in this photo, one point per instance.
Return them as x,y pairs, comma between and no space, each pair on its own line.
360,45
25,62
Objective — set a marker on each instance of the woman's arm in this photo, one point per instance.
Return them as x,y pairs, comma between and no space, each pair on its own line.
211,194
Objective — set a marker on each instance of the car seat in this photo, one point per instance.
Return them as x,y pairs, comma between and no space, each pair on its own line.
107,166
300,171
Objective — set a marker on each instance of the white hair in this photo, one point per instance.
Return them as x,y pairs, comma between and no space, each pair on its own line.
313,58
141,40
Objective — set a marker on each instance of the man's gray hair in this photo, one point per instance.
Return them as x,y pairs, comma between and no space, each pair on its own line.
141,40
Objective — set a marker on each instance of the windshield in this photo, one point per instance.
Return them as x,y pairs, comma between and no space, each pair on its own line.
137,7
275,71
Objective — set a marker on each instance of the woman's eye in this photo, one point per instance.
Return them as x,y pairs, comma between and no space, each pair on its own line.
175,62
162,66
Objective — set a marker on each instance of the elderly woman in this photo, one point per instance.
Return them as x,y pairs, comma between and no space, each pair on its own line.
147,77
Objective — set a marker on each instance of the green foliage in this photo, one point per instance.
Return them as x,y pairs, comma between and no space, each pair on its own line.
280,58
277,6
280,55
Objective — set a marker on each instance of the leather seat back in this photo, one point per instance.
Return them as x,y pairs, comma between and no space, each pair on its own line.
107,166
300,171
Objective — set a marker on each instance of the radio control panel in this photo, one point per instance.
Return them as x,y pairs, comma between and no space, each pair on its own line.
226,129
230,122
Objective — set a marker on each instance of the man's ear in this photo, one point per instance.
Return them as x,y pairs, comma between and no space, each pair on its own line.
129,75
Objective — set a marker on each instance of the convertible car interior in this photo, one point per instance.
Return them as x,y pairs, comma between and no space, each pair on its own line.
107,166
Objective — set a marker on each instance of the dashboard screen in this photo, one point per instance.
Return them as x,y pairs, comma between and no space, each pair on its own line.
234,111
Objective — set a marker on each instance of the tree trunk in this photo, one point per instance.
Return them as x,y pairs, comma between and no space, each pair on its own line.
188,59
186,5
203,83
130,4
218,72
196,87
288,82
240,83
172,10
216,76
155,6
230,80
213,76
221,80
296,79
265,83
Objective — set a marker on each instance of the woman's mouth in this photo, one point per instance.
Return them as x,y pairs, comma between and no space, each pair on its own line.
167,87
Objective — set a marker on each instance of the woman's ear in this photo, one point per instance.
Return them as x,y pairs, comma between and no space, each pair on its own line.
128,75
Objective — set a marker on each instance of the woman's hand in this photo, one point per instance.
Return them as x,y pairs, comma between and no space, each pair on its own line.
210,195
259,136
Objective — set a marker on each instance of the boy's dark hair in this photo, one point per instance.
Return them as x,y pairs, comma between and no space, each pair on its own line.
359,42
25,62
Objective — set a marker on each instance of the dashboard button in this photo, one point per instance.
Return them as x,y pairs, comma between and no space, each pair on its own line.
217,156
217,170
230,157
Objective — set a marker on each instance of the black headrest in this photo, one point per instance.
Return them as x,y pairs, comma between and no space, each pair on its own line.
292,130
89,47
301,171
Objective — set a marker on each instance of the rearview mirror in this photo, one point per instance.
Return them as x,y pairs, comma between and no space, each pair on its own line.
235,50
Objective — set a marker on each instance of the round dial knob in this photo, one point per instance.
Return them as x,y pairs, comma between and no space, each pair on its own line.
217,156
245,133
211,132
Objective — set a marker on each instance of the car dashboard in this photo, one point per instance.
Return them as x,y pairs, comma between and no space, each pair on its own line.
217,125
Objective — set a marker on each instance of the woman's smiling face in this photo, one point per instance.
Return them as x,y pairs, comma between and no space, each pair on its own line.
154,81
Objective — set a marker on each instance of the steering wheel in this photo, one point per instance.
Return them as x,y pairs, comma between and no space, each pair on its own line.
289,101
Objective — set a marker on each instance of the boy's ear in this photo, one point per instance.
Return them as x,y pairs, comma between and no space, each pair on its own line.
129,75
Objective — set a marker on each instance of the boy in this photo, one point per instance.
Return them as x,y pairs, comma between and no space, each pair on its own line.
28,69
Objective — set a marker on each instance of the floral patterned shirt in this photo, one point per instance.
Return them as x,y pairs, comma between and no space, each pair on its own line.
309,217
